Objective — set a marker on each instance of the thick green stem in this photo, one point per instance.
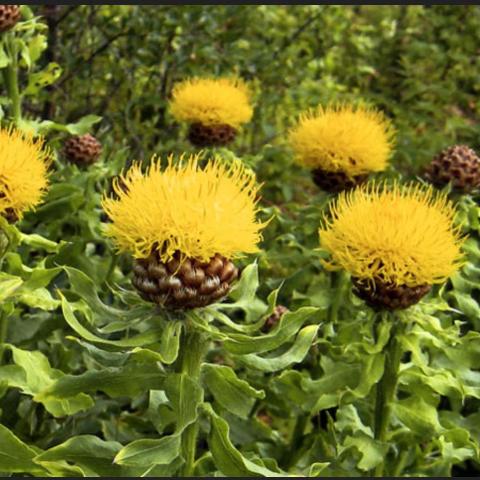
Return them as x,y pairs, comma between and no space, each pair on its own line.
193,348
10,77
386,389
339,283
3,327
297,437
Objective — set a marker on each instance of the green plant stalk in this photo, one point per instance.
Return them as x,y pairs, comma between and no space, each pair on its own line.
339,283
193,349
10,77
297,437
3,327
386,388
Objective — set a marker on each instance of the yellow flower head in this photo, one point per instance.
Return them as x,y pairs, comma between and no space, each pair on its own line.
355,140
23,171
212,101
402,235
196,211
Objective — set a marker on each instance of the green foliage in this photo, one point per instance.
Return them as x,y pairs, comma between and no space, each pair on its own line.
96,382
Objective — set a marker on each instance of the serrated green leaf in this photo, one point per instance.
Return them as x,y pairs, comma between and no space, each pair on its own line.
227,458
296,353
115,382
236,395
289,325
32,374
90,453
146,338
418,416
15,455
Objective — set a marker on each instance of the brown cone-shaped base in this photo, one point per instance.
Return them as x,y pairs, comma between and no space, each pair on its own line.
9,16
82,150
10,215
382,296
458,165
335,182
190,284
274,318
211,135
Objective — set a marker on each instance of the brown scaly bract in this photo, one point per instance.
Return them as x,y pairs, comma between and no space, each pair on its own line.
458,165
82,149
188,284
9,16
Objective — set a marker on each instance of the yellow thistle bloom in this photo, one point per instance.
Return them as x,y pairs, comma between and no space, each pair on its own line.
354,140
198,212
403,235
23,171
211,101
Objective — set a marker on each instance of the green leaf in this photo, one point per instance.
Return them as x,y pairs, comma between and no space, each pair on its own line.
40,298
146,338
90,453
185,395
84,125
418,416
4,59
289,325
114,381
16,456
466,304
371,453
244,290
9,284
227,458
32,374
235,395
144,453
36,46
170,342
39,80
296,353
37,241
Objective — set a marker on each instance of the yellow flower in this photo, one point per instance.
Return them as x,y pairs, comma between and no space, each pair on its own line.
402,235
355,140
196,211
211,101
24,166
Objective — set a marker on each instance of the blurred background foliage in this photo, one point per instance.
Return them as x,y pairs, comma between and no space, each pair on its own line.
418,63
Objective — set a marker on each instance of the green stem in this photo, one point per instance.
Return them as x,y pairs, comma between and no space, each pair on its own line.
386,389
3,327
193,348
111,267
10,77
297,437
339,283
402,460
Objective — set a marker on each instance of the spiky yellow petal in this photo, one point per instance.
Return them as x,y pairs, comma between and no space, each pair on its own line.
196,211
403,235
212,101
352,139
23,171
